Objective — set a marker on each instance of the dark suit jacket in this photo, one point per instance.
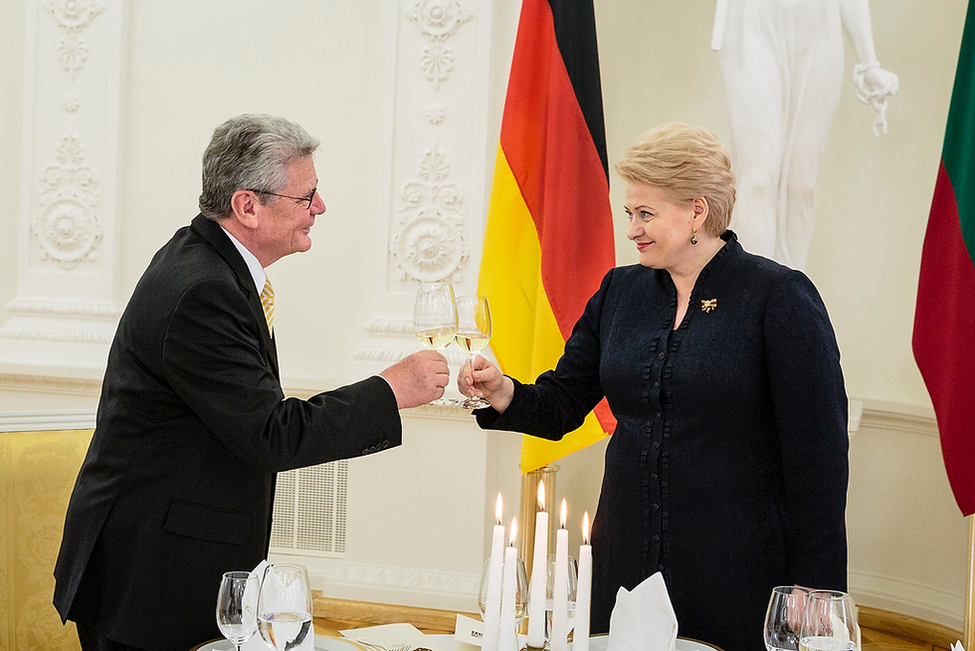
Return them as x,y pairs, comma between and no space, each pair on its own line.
728,468
192,426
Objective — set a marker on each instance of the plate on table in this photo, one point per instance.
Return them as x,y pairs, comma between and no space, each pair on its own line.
600,642
257,644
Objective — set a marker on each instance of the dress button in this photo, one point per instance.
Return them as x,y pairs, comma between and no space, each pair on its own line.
656,445
656,538
661,355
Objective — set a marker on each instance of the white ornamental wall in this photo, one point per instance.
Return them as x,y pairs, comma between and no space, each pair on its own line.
66,303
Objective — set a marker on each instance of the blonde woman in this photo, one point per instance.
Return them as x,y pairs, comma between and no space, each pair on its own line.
728,468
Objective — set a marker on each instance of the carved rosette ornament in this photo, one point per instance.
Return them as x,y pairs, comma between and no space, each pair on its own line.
429,243
73,16
437,21
68,228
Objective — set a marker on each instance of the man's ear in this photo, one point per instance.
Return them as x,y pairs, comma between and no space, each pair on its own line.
245,206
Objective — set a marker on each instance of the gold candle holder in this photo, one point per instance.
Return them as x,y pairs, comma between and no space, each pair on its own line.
529,508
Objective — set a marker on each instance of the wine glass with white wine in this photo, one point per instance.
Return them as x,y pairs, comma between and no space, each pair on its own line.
435,319
434,315
473,334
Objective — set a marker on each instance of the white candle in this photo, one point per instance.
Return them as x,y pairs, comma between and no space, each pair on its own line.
508,638
536,600
560,591
492,604
583,590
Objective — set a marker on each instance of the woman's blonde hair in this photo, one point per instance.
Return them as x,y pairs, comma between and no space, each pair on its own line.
687,162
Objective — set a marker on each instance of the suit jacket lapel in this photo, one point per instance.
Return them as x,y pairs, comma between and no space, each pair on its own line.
212,233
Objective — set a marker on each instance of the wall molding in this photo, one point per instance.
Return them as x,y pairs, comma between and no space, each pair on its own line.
908,597
899,417
47,421
341,579
391,339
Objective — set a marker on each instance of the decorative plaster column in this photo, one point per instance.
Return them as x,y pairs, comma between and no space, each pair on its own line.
438,76
64,314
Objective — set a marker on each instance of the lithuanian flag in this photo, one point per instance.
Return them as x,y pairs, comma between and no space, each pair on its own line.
944,321
549,234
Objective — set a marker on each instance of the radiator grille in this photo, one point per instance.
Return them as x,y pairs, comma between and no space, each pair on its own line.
310,510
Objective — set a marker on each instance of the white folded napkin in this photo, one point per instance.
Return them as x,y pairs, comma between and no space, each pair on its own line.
391,636
644,619
957,646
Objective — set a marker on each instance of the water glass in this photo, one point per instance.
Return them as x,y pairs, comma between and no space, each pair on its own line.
284,612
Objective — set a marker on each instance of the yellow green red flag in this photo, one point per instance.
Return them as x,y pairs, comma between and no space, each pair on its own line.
944,318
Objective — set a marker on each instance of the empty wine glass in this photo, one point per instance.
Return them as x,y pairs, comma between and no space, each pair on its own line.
473,335
572,584
434,315
783,620
237,606
829,622
284,613
521,590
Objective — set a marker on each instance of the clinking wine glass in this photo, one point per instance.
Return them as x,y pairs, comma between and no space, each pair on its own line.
473,334
435,319
783,620
435,315
284,610
237,606
829,622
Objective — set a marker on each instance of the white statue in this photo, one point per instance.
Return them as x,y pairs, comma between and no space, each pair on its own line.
782,62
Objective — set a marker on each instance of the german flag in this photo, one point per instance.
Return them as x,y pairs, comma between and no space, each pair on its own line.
944,318
549,235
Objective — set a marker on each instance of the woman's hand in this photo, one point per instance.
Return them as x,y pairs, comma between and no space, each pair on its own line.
484,379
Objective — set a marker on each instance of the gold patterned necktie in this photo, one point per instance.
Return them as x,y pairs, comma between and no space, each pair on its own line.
267,302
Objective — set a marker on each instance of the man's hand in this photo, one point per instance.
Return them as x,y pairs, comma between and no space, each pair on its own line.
418,378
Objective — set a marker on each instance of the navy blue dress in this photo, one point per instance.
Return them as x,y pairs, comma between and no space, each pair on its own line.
728,468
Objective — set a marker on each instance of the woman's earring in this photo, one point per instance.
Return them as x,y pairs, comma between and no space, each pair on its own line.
694,237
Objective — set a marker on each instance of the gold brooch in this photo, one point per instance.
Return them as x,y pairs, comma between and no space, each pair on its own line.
707,306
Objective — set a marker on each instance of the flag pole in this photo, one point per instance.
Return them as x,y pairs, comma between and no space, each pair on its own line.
969,633
529,507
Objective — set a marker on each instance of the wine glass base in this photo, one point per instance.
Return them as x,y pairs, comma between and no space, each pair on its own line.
446,402
474,402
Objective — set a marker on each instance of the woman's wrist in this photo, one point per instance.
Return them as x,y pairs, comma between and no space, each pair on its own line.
503,398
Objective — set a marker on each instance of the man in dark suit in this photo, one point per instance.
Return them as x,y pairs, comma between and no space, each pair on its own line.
192,425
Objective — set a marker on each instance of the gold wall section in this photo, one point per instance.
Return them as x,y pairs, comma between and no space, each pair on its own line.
37,474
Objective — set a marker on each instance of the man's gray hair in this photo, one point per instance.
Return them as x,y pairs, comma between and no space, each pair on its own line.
250,152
